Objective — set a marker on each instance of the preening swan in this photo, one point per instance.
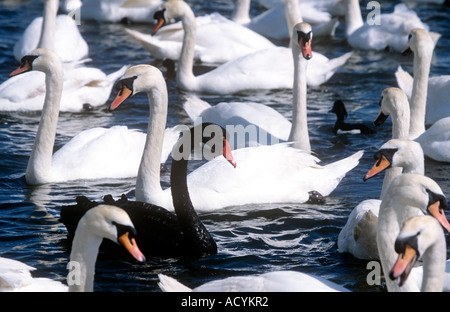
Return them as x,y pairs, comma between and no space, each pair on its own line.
278,281
391,32
264,69
102,222
163,233
59,33
289,175
428,95
407,195
218,39
421,236
94,153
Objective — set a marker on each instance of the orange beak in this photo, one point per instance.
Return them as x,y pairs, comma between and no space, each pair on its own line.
227,153
159,24
403,265
22,69
306,49
123,94
131,246
378,167
438,213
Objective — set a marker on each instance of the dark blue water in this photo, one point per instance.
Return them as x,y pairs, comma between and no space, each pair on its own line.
251,239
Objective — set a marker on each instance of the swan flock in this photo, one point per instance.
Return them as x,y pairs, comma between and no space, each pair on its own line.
225,149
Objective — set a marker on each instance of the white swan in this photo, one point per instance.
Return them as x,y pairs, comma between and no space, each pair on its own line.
434,140
278,281
421,236
289,176
103,221
428,96
16,276
59,33
392,31
114,11
358,236
218,39
94,153
84,87
407,194
273,23
248,72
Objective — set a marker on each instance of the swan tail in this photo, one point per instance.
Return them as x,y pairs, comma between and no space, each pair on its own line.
327,28
169,284
340,60
194,106
147,42
404,81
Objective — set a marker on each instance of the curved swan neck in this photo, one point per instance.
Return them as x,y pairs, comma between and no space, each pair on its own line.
434,266
299,131
353,17
193,228
418,102
47,39
148,186
84,254
185,72
40,162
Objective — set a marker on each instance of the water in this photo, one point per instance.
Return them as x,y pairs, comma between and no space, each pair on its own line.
251,239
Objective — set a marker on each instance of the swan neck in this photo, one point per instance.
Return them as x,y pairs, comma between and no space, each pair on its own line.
418,100
241,13
47,39
299,131
185,72
353,17
401,121
434,266
293,15
40,162
82,259
390,219
148,186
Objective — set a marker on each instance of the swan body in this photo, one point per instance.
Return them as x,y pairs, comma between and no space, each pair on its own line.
218,40
81,157
278,281
421,236
66,38
407,194
114,11
287,179
392,31
273,23
163,233
15,276
244,73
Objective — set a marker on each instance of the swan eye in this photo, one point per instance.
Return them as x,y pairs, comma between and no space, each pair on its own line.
409,37
127,82
27,59
159,14
122,229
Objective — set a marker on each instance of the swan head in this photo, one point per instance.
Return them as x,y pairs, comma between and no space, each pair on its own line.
418,191
37,60
406,154
168,11
393,101
420,43
139,78
111,222
302,37
417,235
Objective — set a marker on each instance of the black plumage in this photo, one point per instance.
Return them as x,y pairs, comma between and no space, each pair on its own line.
341,113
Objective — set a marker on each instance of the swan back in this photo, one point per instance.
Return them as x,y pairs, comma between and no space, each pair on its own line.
421,236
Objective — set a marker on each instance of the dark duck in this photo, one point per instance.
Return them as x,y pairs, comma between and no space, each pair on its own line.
343,127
